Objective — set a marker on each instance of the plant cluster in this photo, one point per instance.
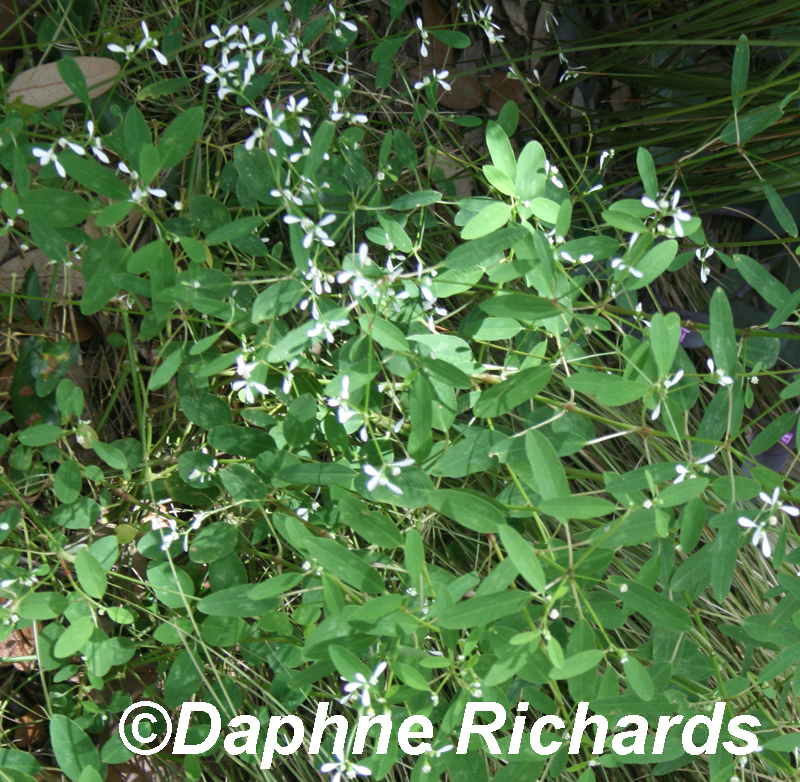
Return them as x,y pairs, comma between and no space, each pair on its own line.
374,444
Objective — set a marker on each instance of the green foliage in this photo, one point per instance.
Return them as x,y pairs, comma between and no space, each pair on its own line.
360,420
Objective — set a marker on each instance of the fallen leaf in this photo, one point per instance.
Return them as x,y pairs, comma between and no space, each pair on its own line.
29,730
43,86
12,274
503,89
433,15
465,93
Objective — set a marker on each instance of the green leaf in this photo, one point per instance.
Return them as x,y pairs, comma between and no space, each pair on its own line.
93,176
317,474
772,433
723,565
452,38
171,584
655,606
750,124
73,77
654,264
480,611
166,370
180,136
468,508
577,664
500,150
551,481
234,230
639,679
524,307
665,334
413,200
386,334
524,557
214,541
518,388
277,300
575,507
137,135
74,637
375,527
775,667
277,585
647,172
236,601
493,216
624,222
473,453
91,575
767,286
499,181
485,250
53,208
722,339
336,560
740,70
782,213
40,434
39,606
74,750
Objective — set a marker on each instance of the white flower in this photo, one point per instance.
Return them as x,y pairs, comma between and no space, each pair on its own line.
344,768
684,471
434,78
313,231
326,328
605,157
49,156
343,413
378,477
718,374
247,384
95,145
362,684
616,263
676,378
772,503
759,534
703,255
220,38
423,34
150,42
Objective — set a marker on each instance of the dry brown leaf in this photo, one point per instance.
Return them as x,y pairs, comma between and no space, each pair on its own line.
465,93
434,15
30,730
43,86
12,274
515,11
20,643
503,89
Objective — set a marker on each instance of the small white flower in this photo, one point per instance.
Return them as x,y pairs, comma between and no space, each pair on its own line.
434,78
377,477
247,384
362,684
772,503
344,768
759,535
718,374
